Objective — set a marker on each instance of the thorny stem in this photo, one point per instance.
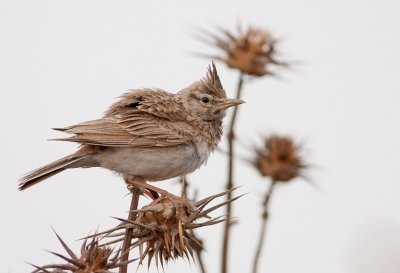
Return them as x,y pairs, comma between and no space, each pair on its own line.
135,191
264,218
229,184
198,250
200,257
184,183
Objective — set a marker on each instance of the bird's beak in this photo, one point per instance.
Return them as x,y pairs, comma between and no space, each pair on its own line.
228,103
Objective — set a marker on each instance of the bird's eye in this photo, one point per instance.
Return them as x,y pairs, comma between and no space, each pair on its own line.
205,99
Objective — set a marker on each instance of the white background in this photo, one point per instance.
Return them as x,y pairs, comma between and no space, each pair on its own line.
63,62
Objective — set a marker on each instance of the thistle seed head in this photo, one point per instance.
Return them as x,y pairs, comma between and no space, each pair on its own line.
279,159
93,259
163,229
252,52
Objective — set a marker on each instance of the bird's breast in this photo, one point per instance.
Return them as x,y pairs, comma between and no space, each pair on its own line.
203,151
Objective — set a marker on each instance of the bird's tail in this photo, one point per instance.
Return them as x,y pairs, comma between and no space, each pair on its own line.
47,171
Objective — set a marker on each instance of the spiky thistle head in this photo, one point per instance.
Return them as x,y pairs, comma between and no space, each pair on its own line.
93,259
252,52
279,159
162,229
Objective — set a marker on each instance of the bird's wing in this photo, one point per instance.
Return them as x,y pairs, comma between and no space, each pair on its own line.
128,123
137,130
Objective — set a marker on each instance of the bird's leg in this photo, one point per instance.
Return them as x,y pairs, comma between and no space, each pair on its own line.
149,193
152,194
135,182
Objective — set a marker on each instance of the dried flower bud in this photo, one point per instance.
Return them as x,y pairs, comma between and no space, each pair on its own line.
163,228
279,159
93,259
251,52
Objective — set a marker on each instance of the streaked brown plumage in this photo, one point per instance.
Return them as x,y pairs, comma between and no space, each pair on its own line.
149,134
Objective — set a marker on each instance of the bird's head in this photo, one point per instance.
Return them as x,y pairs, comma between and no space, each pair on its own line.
206,99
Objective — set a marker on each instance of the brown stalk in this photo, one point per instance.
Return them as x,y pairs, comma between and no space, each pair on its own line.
264,218
199,255
198,250
184,182
135,191
230,183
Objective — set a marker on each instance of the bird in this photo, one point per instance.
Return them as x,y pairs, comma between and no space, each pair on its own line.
148,135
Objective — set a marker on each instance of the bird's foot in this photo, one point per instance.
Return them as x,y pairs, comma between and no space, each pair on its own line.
149,190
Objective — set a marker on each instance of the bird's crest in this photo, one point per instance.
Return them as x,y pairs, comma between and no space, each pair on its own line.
213,83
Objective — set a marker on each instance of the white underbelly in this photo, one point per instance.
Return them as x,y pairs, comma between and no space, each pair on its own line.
152,163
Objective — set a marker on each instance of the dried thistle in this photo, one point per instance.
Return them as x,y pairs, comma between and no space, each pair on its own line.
252,52
163,228
93,259
279,159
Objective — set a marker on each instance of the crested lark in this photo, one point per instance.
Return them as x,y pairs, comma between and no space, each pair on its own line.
149,134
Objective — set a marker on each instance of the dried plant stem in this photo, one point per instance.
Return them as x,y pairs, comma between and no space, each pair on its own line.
230,184
198,250
128,232
184,183
200,261
264,218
